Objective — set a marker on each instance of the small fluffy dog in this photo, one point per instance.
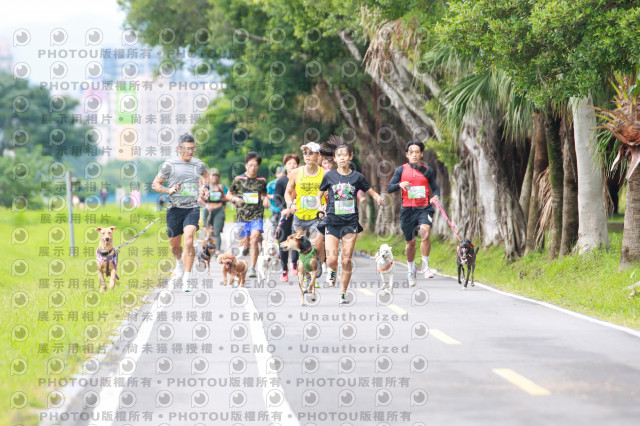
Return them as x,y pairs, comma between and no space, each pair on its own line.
233,267
308,262
385,266
268,260
466,257
207,248
107,258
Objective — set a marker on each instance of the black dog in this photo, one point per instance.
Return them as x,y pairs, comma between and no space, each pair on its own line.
466,256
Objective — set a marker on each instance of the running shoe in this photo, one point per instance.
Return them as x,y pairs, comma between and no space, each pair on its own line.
343,299
252,273
411,277
284,277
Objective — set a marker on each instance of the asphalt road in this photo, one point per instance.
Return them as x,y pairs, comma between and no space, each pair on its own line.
433,354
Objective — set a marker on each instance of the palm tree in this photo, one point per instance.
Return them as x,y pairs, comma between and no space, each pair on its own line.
624,125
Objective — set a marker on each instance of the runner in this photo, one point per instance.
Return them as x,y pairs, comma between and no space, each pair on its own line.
271,186
249,193
327,150
303,186
182,174
291,162
416,215
341,186
213,211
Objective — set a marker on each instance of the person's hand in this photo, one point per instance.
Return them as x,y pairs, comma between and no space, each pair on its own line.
405,185
293,208
266,202
174,189
382,200
435,200
238,201
285,213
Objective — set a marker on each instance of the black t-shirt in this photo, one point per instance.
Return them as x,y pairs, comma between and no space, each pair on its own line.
278,192
342,205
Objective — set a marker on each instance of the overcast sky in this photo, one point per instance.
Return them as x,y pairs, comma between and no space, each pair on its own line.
41,17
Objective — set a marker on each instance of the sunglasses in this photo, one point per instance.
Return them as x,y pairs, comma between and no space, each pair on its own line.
308,152
188,149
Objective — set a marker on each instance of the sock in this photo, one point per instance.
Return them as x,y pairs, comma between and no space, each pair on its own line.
412,267
425,262
185,279
332,273
179,264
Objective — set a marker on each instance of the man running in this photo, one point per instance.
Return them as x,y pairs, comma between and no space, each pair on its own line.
416,215
341,186
304,184
183,174
249,193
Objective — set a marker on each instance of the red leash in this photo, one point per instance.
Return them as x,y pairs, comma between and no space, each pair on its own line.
448,221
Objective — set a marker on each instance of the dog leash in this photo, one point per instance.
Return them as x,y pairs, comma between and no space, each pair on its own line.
448,221
137,235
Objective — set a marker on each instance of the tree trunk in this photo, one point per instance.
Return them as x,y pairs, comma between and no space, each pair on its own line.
540,162
527,184
570,196
554,150
500,216
630,252
592,228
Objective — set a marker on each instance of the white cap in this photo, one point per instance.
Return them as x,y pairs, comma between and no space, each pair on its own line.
312,146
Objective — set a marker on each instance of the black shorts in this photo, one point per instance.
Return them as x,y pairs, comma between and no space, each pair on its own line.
178,219
339,231
412,217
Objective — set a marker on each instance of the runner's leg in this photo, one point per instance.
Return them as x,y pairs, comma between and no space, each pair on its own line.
348,244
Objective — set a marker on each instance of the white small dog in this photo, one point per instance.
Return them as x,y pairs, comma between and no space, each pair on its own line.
385,266
268,260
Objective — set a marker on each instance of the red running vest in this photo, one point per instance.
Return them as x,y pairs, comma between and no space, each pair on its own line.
416,178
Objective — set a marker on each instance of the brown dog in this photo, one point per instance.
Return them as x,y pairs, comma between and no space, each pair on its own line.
107,258
234,267
307,262
207,248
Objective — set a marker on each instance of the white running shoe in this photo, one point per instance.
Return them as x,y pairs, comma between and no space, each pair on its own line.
428,272
331,278
411,277
178,272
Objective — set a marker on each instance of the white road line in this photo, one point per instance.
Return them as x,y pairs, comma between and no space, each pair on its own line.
109,396
622,328
288,417
443,337
397,309
522,382
367,292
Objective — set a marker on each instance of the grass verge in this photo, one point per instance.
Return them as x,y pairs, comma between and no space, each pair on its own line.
54,316
590,284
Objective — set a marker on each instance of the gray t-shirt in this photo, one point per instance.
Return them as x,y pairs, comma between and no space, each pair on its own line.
187,174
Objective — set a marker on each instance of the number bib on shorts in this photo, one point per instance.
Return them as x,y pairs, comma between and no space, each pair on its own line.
250,197
189,189
308,202
215,196
345,207
417,192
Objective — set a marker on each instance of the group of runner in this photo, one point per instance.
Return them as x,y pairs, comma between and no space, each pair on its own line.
320,197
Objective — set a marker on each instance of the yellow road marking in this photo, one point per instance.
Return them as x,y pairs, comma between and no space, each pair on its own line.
367,292
444,338
397,309
522,382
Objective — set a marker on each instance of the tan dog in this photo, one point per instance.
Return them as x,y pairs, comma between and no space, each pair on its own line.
107,258
234,267
307,262
207,248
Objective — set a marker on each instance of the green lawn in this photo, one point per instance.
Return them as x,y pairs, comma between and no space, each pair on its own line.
590,284
53,309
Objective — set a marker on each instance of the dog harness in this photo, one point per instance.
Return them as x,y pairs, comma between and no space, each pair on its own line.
386,268
110,260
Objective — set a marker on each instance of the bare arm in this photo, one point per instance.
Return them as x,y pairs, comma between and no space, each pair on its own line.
289,192
377,197
157,186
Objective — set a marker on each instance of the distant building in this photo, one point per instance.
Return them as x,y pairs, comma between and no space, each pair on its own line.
6,57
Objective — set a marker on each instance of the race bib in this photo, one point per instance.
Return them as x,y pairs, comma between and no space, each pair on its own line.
417,192
250,197
189,189
308,202
345,207
215,196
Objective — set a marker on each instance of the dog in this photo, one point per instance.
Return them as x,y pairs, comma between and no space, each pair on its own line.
236,269
207,248
385,266
107,258
308,262
268,260
466,257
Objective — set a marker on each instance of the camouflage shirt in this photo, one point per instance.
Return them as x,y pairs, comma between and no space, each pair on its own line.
251,190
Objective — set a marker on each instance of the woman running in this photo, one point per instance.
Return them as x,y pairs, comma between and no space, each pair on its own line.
341,186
